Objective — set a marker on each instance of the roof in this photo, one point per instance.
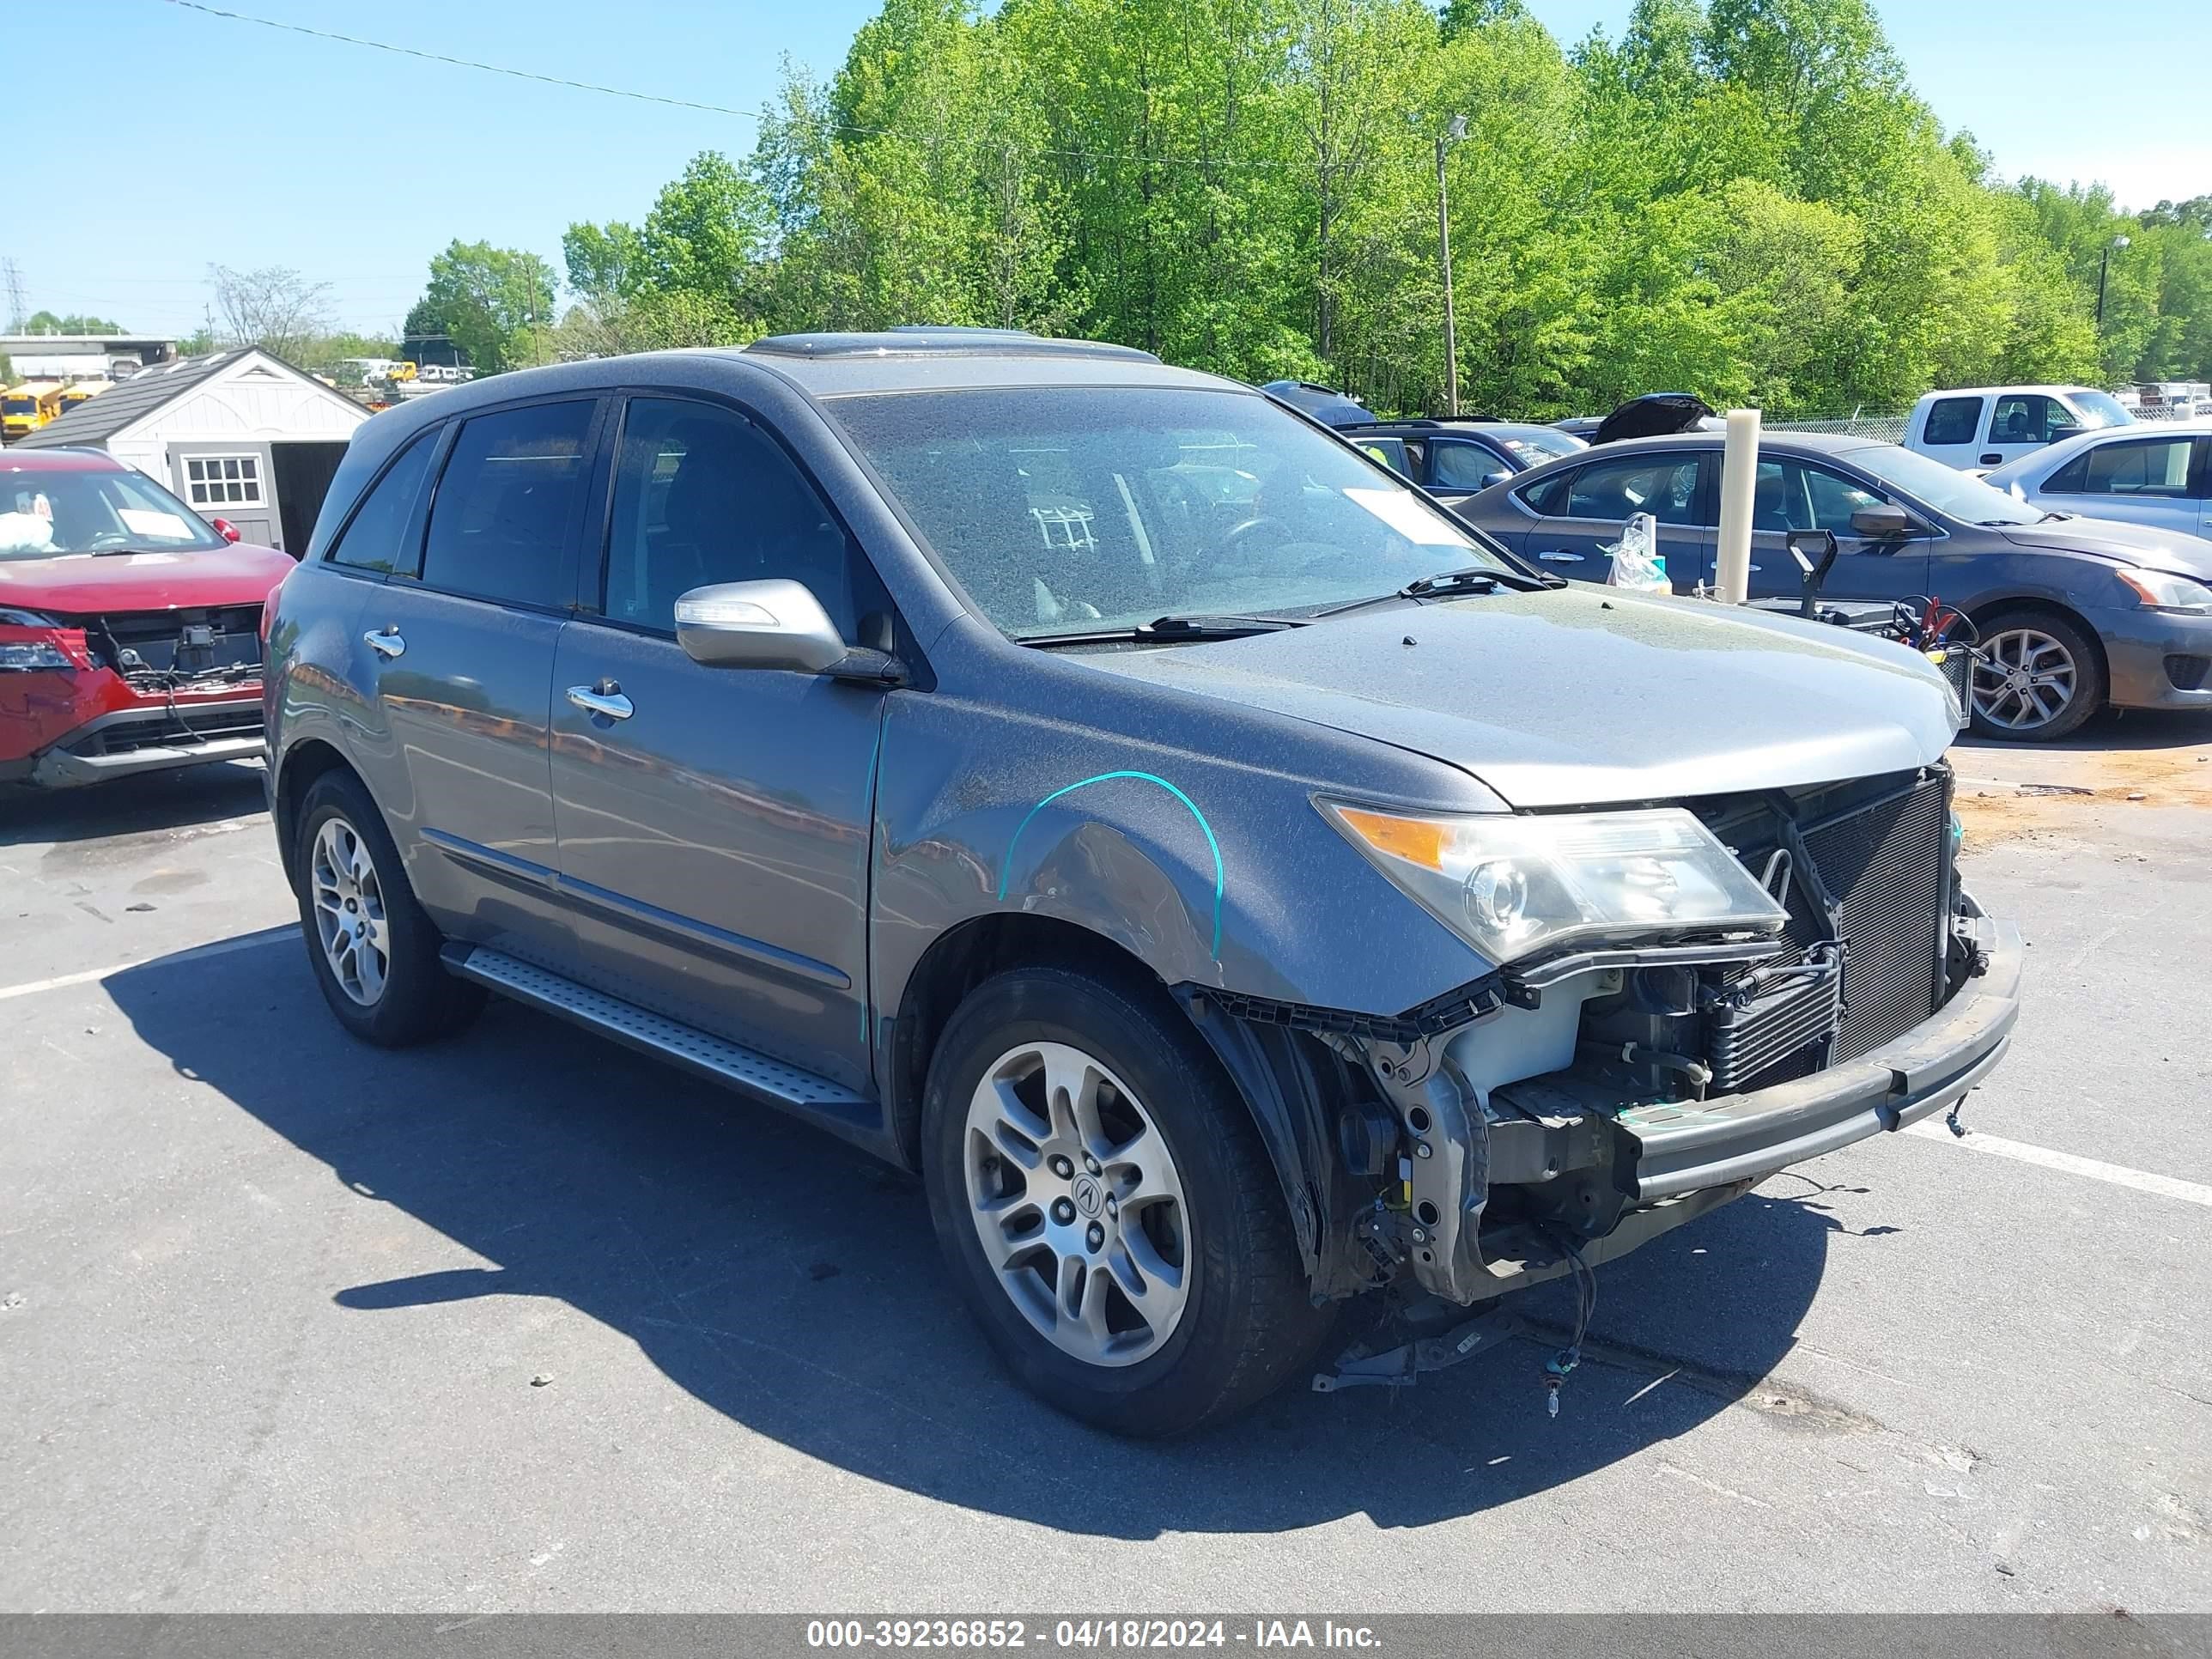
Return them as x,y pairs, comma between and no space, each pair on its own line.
12,460
98,419
912,341
11,343
1985,391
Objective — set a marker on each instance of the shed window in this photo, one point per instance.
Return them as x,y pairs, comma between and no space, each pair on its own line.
224,480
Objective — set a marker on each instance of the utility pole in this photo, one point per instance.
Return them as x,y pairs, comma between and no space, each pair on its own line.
2104,267
1456,131
11,276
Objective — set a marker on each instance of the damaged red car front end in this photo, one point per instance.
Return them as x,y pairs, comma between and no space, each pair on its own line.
129,628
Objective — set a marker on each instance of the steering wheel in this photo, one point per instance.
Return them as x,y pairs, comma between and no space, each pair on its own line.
107,538
1238,535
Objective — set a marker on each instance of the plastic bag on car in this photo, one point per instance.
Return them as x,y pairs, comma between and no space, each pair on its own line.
1637,562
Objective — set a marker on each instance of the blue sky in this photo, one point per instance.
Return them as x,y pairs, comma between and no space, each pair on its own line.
245,146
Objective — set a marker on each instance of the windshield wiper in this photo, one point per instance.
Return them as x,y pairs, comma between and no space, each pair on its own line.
1178,630
1475,581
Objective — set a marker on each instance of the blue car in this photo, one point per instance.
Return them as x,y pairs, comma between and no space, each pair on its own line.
2075,614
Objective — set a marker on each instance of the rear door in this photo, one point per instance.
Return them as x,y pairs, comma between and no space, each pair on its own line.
2154,480
463,634
714,830
1951,430
1796,494
1583,510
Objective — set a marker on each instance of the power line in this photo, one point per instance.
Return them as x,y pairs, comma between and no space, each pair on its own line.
757,116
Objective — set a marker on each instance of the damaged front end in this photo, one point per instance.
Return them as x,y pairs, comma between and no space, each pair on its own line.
1571,1106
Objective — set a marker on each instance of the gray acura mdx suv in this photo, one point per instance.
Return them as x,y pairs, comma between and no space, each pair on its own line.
1231,883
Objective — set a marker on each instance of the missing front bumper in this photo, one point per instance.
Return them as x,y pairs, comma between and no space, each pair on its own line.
1660,1165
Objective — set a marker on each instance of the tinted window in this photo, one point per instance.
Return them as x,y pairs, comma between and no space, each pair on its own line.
1791,495
1393,452
501,516
1080,510
1665,486
2156,467
372,541
702,495
1952,420
1465,466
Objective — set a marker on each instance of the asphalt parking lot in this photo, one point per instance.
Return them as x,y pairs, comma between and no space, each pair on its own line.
525,1322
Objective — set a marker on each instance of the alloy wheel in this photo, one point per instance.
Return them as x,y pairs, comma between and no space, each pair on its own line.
349,904
2026,680
1078,1204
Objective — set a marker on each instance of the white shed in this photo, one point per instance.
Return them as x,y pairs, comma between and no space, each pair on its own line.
241,435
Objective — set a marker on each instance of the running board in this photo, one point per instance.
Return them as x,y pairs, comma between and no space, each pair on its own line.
717,1058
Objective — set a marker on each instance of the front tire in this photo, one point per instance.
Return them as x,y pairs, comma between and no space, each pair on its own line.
374,948
2040,677
1106,1207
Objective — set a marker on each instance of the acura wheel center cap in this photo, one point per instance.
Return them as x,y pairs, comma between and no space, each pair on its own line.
1089,1197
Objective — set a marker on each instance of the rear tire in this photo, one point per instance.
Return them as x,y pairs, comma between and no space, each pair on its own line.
373,949
1107,1209
2036,662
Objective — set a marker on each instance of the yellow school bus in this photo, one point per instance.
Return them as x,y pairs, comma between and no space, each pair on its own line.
24,409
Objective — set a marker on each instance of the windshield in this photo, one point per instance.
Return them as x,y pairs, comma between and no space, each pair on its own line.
1532,444
1078,510
2101,408
1943,489
45,513
18,405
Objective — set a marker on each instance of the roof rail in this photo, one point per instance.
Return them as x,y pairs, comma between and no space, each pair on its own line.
923,339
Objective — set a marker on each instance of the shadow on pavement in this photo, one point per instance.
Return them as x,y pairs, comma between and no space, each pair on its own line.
145,804
794,1285
2115,731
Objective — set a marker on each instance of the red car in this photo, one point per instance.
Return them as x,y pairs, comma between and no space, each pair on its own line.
129,626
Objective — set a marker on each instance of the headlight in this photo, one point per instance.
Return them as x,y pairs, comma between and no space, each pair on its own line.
2161,590
30,656
1510,885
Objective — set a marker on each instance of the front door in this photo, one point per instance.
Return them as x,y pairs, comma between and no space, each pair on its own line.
714,835
2021,423
1585,510
464,654
1796,494
232,483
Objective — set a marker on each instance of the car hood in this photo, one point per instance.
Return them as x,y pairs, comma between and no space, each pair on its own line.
84,584
1583,696
2125,544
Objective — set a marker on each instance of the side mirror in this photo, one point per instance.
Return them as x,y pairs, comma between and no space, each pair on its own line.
1497,478
224,528
767,625
1882,521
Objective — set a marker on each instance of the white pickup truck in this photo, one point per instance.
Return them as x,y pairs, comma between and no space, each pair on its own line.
1976,428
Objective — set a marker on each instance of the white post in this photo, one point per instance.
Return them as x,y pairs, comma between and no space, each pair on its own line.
1739,474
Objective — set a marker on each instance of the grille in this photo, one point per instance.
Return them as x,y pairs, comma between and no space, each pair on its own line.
1888,866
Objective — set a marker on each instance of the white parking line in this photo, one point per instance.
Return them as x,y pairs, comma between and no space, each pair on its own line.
221,947
2189,1192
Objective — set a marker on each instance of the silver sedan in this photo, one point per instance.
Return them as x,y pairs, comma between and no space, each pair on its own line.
2156,475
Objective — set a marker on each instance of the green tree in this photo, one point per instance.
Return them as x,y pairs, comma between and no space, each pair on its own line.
494,302
45,322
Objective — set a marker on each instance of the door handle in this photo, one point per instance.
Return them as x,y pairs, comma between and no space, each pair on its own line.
1560,555
1990,459
605,698
384,642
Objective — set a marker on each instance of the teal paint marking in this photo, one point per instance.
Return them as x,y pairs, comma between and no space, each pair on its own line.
1006,866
